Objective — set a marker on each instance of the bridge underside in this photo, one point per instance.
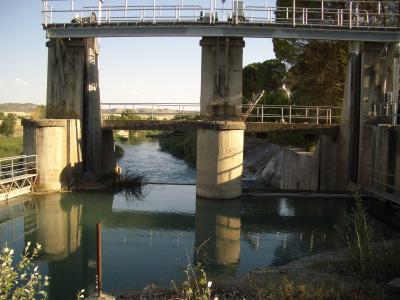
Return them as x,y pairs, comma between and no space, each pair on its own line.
195,29
256,127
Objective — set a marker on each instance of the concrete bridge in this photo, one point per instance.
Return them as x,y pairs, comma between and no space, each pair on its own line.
79,143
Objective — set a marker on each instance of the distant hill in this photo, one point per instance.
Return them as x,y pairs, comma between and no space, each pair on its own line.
17,107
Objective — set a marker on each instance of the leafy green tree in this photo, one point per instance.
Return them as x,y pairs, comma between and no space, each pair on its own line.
318,68
269,76
2,115
8,126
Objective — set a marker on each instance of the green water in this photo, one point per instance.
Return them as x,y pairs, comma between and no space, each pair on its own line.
151,239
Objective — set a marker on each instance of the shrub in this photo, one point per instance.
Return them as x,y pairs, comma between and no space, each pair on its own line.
21,280
8,126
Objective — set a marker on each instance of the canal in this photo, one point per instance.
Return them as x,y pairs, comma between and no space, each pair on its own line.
153,237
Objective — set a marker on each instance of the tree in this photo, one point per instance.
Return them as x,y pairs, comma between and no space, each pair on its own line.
269,76
318,68
2,115
8,126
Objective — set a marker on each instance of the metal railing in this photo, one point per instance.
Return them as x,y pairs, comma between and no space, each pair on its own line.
17,166
294,114
149,110
260,113
386,113
322,13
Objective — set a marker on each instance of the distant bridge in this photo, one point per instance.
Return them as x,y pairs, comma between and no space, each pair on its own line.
186,116
332,20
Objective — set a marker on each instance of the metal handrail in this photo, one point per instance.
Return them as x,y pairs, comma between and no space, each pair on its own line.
11,167
348,15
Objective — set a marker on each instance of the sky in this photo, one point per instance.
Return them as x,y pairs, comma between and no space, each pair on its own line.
131,69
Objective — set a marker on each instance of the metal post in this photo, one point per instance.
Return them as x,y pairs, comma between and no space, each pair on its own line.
351,14
210,15
126,8
282,119
99,262
99,4
262,113
294,13
317,115
290,114
72,8
396,70
237,11
322,10
154,11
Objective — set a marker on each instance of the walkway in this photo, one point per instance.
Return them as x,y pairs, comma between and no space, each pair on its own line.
330,20
17,175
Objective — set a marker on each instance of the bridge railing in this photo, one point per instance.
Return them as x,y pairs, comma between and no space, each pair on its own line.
150,111
17,166
294,114
343,14
261,113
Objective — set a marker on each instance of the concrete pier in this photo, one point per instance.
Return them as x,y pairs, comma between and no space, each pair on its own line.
220,142
221,77
220,160
73,92
57,144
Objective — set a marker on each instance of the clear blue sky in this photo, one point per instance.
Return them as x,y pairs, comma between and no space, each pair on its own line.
131,69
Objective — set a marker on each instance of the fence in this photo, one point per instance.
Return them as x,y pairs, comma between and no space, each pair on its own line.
17,175
294,114
347,14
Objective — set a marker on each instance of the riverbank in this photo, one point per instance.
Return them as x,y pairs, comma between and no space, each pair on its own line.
10,146
328,275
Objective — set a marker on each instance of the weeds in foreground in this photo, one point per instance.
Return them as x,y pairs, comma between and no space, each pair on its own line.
21,280
359,236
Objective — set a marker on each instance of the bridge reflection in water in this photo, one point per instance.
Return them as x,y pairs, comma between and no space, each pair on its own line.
150,239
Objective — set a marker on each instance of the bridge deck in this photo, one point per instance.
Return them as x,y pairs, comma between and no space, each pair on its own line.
256,127
187,29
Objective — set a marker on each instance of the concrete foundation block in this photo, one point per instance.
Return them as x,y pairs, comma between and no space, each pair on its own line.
219,163
57,144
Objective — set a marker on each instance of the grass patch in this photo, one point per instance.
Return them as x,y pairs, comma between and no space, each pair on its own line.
10,146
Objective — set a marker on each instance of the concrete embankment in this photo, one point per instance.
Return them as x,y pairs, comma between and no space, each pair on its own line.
270,166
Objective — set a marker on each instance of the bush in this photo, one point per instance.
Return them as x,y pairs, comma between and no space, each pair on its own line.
181,146
119,151
8,126
24,280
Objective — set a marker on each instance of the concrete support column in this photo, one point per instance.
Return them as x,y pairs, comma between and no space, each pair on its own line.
220,160
73,92
221,77
57,144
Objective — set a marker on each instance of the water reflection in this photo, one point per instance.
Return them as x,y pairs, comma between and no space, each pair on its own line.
153,239
217,233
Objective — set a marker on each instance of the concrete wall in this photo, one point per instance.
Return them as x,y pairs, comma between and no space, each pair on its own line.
380,160
57,144
220,162
311,171
221,77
